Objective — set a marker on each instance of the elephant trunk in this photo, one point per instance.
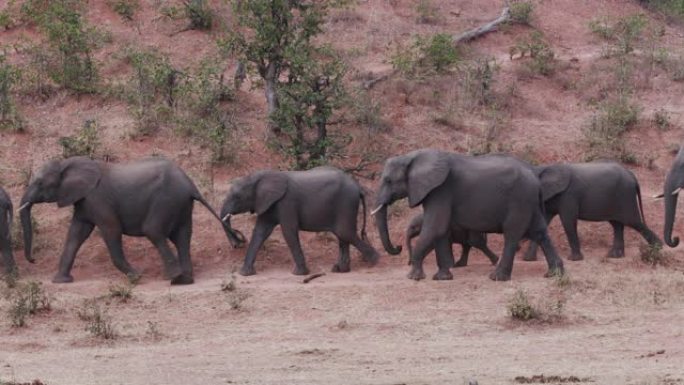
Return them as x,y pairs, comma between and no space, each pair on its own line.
670,209
27,228
236,238
381,222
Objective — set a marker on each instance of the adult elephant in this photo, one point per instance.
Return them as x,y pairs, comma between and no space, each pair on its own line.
673,185
320,199
598,192
467,240
485,194
152,198
5,232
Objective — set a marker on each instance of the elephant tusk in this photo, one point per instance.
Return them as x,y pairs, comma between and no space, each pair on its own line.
377,209
659,196
25,205
676,191
227,217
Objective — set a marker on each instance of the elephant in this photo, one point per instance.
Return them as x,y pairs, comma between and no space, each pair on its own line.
674,182
151,197
488,194
466,239
320,199
6,212
596,191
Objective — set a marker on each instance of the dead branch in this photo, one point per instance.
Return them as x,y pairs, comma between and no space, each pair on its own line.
368,84
312,277
484,29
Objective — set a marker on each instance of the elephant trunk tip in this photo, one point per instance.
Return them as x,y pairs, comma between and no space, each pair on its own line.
674,242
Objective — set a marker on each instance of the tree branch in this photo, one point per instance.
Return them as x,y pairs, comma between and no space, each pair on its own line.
483,29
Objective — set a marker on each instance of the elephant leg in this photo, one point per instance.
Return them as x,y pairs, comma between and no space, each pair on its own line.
618,248
463,260
531,253
291,235
262,230
648,235
504,268
172,269
8,258
342,265
570,226
79,231
181,239
445,259
493,258
369,254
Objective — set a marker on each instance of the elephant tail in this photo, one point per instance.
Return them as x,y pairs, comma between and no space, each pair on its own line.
235,236
641,205
364,235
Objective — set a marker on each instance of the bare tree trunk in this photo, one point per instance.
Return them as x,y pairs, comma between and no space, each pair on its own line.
483,29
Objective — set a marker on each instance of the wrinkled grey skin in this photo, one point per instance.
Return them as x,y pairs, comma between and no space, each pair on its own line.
151,198
598,192
321,199
466,239
6,211
488,194
673,182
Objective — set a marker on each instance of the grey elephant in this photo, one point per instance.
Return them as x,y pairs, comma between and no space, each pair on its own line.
320,199
6,211
483,194
673,185
467,240
598,192
151,198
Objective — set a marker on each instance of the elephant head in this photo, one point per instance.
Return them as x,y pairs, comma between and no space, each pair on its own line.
413,175
254,193
673,184
64,182
554,180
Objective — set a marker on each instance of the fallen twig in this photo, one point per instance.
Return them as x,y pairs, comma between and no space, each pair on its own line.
483,29
312,277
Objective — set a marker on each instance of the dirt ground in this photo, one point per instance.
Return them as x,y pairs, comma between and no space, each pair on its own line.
620,323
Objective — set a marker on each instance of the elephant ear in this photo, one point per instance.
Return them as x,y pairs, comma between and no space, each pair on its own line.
79,175
270,187
428,170
554,180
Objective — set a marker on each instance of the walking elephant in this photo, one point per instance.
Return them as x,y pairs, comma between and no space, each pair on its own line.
673,185
321,199
484,194
467,240
151,197
598,192
6,211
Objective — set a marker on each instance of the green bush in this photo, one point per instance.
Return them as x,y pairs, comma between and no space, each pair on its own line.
25,300
521,12
125,8
9,116
520,307
604,133
98,322
428,13
435,54
200,15
541,56
672,8
84,143
623,32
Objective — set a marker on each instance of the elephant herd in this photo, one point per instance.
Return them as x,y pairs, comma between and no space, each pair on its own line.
463,198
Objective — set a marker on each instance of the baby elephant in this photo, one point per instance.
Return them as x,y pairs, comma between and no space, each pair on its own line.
321,199
5,228
465,238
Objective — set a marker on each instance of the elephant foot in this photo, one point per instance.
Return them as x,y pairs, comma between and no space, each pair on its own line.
498,275
443,275
247,270
576,256
62,278
372,259
337,268
616,253
134,276
183,279
555,272
529,257
416,273
461,263
171,272
300,270
494,261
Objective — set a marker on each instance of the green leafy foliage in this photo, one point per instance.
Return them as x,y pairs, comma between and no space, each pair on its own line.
623,32
98,323
84,143
10,119
428,13
125,8
199,13
537,49
521,12
27,299
428,55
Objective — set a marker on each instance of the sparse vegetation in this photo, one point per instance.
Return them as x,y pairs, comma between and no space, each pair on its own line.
605,130
428,55
10,119
122,292
671,8
235,296
521,308
541,56
521,12
199,13
653,255
98,322
623,33
84,143
428,13
368,112
125,8
661,118
153,331
26,300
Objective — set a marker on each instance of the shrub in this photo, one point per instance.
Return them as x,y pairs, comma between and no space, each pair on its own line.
521,12
653,255
661,118
98,322
605,130
520,307
540,53
624,32
122,292
478,82
672,8
9,116
200,15
428,13
367,112
435,54
84,143
26,300
125,8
